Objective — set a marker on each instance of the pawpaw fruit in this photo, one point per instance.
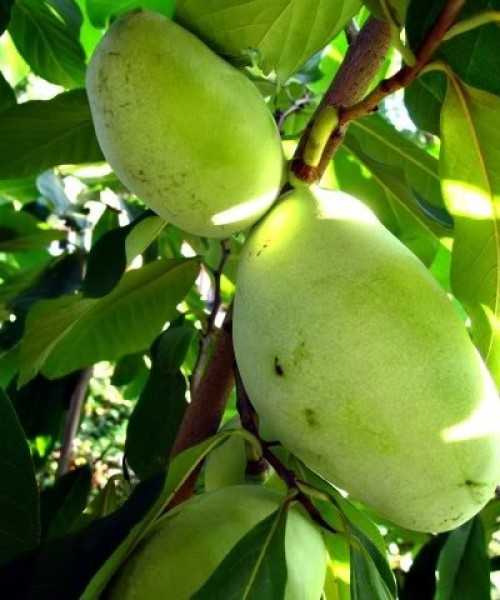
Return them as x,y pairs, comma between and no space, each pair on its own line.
186,546
359,363
185,131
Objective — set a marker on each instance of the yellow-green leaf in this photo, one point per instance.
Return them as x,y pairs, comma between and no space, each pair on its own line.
470,173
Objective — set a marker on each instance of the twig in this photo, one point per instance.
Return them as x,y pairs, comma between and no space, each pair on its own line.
360,65
208,401
208,334
408,73
297,106
353,79
247,417
73,421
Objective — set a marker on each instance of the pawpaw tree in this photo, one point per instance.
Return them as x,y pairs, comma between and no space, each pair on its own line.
250,299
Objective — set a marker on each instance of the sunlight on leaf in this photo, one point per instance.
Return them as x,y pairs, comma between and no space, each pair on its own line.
283,34
470,171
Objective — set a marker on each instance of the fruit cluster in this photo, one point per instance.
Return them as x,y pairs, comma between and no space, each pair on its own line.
349,350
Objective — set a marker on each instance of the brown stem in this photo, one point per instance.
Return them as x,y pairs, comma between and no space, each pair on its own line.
408,73
73,420
360,65
208,402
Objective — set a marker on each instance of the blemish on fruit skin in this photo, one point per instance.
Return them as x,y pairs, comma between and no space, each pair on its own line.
278,369
310,416
264,246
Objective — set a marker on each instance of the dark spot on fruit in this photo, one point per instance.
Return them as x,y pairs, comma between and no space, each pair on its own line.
311,418
278,369
264,246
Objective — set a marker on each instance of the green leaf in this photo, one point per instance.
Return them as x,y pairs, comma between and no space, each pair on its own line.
5,10
7,95
128,368
100,11
154,423
62,567
63,503
19,500
116,249
282,35
471,55
338,568
180,469
464,565
40,134
255,567
470,172
408,173
424,99
420,580
366,581
72,332
370,543
353,178
46,37
21,190
21,231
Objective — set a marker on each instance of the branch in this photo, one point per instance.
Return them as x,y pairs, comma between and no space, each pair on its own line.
360,65
408,73
208,401
345,95
73,420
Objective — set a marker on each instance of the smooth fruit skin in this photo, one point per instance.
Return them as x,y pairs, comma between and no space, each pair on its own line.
185,131
357,360
183,550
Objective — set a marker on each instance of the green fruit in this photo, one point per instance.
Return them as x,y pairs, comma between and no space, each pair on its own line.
227,463
184,549
357,360
184,130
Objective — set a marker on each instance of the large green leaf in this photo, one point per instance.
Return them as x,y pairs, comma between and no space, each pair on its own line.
100,11
63,503
180,469
471,55
46,33
353,178
424,98
282,35
21,231
19,500
405,171
367,540
40,134
470,172
255,568
464,565
154,423
116,249
72,332
366,581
